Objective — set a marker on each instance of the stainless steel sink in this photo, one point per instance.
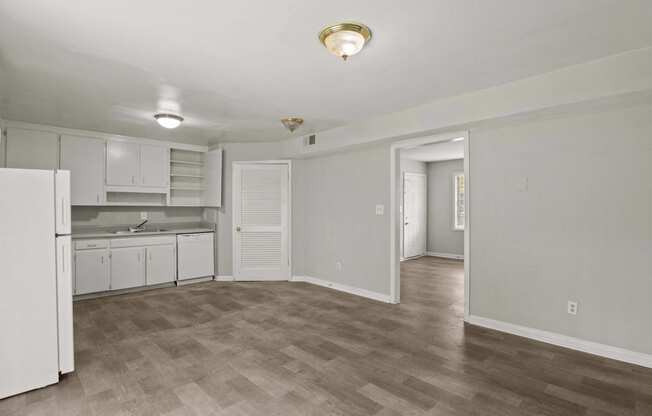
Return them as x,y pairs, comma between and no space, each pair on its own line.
152,230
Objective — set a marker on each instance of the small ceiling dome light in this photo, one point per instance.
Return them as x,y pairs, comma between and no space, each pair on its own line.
169,121
292,123
345,39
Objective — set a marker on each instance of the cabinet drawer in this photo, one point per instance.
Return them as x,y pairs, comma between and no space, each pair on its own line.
91,244
143,241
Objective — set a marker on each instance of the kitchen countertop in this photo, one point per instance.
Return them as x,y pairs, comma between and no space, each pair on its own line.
150,230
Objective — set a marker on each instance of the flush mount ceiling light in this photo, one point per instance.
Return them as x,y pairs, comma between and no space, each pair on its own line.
169,121
292,123
345,39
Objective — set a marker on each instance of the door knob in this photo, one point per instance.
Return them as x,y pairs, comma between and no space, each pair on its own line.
237,228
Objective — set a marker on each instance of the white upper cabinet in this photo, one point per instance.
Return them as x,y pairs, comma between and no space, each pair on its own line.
154,165
84,158
213,179
137,165
32,149
122,163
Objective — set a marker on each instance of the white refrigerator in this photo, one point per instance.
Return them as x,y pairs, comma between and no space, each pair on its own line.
36,330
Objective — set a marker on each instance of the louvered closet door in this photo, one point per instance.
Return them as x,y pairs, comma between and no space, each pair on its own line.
260,220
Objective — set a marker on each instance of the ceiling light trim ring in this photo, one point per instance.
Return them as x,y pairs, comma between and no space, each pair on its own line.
350,26
161,117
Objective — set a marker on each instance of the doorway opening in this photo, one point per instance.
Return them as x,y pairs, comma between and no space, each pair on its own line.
430,208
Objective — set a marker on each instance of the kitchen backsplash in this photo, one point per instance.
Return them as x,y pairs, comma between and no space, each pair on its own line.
109,216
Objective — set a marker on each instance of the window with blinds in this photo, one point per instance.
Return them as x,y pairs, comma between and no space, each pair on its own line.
459,210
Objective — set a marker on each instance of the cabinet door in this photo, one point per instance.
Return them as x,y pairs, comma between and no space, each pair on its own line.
84,158
213,179
161,264
122,163
154,165
127,267
32,149
91,271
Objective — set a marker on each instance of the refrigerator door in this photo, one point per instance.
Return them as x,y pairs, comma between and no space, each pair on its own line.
64,304
28,299
62,201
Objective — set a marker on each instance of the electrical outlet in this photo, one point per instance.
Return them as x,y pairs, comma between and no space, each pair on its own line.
572,307
338,266
380,209
144,216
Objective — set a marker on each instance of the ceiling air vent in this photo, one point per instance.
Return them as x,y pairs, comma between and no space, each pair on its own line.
310,140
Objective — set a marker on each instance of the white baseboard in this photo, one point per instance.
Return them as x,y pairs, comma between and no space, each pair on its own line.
224,278
445,255
381,297
195,280
602,350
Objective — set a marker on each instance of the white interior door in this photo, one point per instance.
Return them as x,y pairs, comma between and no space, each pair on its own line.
414,214
261,221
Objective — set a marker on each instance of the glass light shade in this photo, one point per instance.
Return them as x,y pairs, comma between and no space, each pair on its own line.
344,43
169,121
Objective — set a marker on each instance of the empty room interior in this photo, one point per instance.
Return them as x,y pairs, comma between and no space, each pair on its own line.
355,208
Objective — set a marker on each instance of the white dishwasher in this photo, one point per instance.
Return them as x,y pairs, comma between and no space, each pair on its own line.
195,255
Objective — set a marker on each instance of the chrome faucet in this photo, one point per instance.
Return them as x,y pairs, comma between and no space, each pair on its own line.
138,228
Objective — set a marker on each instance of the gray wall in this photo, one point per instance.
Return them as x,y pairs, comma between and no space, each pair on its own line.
109,216
581,231
410,166
441,236
336,201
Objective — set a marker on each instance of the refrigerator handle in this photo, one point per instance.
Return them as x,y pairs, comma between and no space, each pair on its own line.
63,212
63,258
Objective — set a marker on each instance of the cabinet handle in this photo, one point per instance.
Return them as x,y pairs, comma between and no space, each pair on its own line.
133,179
98,198
63,214
102,259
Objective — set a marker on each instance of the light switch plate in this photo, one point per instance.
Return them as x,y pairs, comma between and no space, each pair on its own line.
380,209
144,216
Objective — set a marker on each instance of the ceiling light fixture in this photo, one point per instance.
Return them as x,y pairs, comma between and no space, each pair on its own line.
292,123
169,121
345,39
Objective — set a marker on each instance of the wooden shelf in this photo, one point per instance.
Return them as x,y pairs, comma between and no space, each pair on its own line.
186,162
181,175
186,188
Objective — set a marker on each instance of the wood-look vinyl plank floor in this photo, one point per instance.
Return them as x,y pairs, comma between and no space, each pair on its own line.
297,349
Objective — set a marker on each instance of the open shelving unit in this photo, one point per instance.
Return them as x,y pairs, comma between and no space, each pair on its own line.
195,177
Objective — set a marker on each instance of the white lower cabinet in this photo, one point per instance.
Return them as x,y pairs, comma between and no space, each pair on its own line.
91,271
127,267
161,264
123,263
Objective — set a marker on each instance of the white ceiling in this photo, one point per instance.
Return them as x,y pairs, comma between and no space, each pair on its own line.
436,152
235,68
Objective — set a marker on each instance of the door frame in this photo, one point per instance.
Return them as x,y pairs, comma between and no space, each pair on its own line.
425,181
233,198
394,217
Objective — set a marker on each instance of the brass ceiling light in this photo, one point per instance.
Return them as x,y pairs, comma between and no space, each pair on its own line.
292,123
345,39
